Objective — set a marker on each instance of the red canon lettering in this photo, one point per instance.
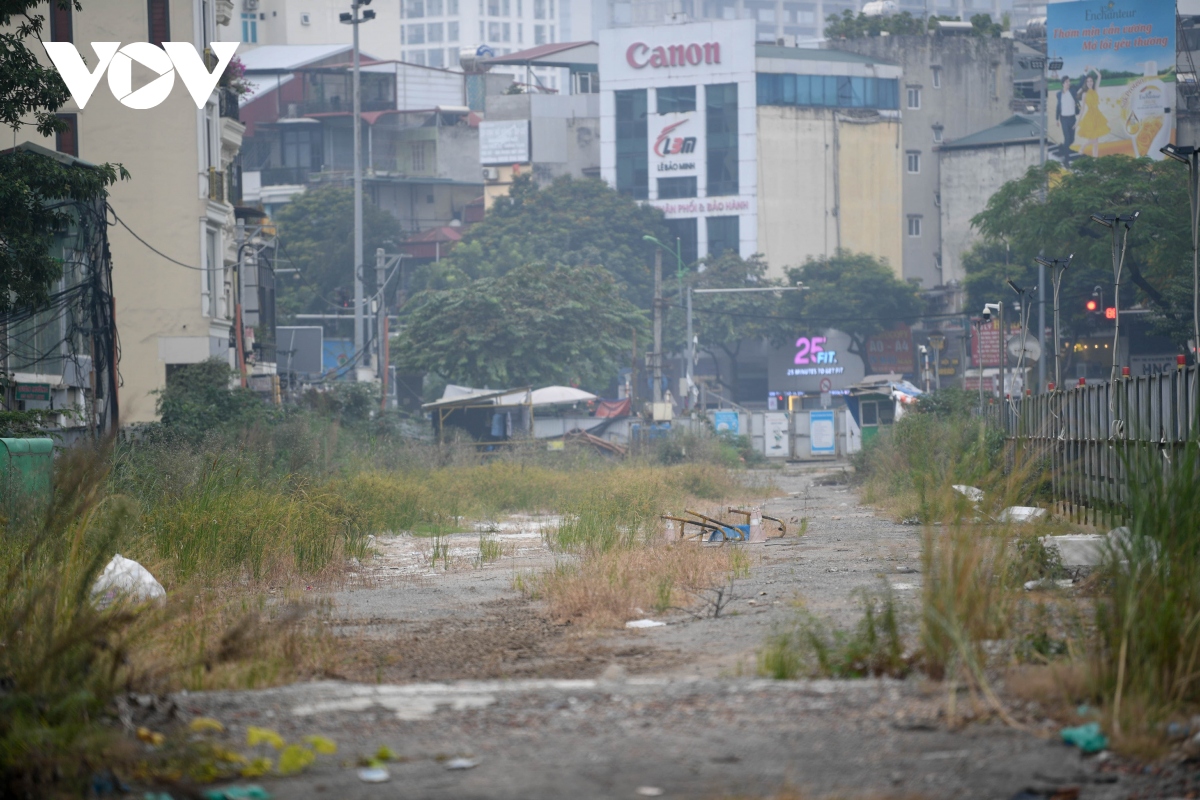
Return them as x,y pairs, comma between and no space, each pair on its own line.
676,55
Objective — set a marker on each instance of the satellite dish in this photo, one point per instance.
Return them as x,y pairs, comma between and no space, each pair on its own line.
1033,350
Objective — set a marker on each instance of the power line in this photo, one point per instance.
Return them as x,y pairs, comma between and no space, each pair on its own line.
151,247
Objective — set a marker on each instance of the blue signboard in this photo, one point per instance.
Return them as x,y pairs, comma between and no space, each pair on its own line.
821,436
726,422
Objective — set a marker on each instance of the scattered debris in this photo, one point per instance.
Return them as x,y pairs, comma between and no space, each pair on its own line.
648,791
461,763
1021,514
252,792
126,579
1087,738
374,775
1048,583
644,623
972,493
904,569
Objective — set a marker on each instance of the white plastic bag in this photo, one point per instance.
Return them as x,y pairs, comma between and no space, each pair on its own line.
125,578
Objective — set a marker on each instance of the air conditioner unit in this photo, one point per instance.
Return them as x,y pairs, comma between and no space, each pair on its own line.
491,174
250,5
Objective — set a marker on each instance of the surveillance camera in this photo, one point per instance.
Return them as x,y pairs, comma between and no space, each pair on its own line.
987,315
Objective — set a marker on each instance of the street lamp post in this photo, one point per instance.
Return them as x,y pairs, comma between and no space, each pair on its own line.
1057,266
689,351
1023,312
1190,155
354,19
1054,64
1114,222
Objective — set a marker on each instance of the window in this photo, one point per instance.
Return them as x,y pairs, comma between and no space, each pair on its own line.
297,146
550,5
433,8
160,21
418,156
800,13
914,225
482,37
721,127
493,32
827,90
60,22
436,58
493,8
676,99
683,231
418,58
434,32
914,96
453,57
937,77
520,33
452,8
723,235
507,29
937,134
416,34
550,31
622,13
250,28
633,169
673,188
67,141
914,161
539,34
539,9
414,9
506,7
451,31
520,9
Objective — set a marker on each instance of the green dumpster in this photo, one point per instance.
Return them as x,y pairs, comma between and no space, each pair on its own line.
26,465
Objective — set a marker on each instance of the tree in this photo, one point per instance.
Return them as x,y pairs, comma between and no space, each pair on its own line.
725,322
855,293
200,398
31,184
317,234
570,222
533,325
1018,223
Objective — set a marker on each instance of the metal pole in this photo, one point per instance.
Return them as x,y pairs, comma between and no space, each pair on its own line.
1041,290
1057,344
656,358
979,345
1003,352
358,202
691,348
1117,257
381,320
1194,196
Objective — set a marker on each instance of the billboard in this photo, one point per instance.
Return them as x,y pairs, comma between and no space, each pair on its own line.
892,351
504,141
1115,93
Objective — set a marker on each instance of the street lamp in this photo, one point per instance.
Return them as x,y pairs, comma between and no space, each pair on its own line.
1057,267
1187,154
986,316
1115,222
690,352
353,18
1023,310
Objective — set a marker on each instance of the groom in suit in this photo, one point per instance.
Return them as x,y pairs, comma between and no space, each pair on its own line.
1065,114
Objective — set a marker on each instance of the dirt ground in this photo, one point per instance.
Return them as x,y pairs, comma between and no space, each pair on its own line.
454,662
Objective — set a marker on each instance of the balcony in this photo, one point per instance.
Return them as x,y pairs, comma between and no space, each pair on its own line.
285,176
229,102
342,105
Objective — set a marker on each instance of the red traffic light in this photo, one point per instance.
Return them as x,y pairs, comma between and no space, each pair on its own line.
1110,313
1091,305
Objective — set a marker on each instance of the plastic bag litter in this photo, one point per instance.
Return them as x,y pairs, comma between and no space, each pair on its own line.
644,623
461,763
125,578
374,775
970,492
1087,738
1021,514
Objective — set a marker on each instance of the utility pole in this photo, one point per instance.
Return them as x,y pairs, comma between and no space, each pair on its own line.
1190,155
237,294
1053,66
691,349
656,357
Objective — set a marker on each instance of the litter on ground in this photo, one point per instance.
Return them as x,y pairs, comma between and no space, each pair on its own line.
125,578
644,623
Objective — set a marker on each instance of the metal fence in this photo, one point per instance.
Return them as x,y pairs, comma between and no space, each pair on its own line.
1093,440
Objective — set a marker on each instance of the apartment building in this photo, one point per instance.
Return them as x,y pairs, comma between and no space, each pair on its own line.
172,238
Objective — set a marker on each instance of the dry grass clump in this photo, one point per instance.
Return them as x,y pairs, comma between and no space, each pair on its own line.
608,588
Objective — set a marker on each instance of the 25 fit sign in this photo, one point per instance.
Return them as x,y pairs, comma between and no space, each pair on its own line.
165,61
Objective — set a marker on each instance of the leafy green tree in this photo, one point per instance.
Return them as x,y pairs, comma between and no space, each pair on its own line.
30,184
317,234
201,398
857,26
534,325
856,293
1018,223
570,222
726,322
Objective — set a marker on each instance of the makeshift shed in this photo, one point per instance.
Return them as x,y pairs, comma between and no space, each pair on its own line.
877,401
497,416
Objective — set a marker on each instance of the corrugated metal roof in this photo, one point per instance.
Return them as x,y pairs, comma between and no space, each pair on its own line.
557,54
1016,129
813,54
288,57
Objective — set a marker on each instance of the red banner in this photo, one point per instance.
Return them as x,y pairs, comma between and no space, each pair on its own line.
987,336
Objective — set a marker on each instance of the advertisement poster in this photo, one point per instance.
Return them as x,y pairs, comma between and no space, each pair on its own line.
775,438
821,433
726,422
1115,93
985,342
892,351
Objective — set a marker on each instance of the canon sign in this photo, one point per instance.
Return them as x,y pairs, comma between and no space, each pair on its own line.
641,55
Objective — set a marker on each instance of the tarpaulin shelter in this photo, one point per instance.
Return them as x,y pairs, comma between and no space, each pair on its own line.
878,401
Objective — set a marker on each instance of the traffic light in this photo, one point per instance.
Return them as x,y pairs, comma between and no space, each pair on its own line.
1091,306
1110,313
